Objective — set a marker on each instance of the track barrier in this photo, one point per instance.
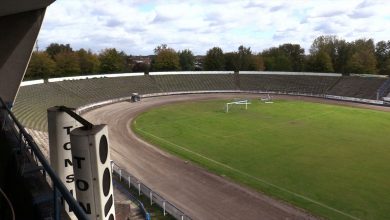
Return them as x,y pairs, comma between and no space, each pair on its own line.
153,196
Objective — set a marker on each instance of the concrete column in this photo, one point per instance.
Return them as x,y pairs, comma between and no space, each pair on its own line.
92,170
19,33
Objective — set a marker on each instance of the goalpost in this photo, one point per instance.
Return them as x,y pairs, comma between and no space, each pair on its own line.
241,102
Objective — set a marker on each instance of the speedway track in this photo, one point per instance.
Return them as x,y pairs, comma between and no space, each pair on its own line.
194,190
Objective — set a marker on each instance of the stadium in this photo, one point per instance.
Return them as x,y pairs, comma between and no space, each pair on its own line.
202,144
328,91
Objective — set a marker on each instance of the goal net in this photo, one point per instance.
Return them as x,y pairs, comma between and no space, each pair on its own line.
242,103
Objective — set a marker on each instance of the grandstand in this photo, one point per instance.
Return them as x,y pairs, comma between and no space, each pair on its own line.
32,101
26,176
358,87
288,83
190,82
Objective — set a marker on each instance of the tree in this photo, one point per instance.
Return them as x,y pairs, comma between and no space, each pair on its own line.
338,50
243,60
324,44
343,54
382,53
187,60
385,67
244,57
55,48
67,64
232,62
40,66
295,54
257,63
140,67
214,59
89,62
363,59
112,61
278,63
159,48
166,59
362,62
320,62
276,59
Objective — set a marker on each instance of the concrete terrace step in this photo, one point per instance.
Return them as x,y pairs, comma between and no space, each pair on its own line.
124,206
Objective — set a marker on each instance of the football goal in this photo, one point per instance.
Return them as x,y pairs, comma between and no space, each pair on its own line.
240,102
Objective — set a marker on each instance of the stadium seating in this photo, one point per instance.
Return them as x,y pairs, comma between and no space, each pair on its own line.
358,87
190,82
287,83
32,101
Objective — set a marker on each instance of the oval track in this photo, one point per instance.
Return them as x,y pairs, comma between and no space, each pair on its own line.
198,193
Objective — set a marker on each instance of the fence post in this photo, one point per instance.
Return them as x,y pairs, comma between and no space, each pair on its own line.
139,188
120,175
128,178
164,207
151,197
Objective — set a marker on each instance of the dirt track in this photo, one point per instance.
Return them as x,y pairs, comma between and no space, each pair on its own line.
198,193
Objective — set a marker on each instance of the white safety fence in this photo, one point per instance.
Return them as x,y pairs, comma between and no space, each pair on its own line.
352,99
154,198
32,82
114,75
88,107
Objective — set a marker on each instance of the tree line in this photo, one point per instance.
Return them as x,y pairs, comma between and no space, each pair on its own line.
326,54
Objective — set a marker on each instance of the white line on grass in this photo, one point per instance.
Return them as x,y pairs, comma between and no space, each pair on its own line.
253,177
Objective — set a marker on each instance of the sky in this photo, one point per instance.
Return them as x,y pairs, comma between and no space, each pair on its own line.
138,26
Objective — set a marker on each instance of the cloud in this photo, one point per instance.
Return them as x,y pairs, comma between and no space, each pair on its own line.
137,27
276,8
161,18
113,23
99,12
326,28
255,4
332,13
365,3
358,14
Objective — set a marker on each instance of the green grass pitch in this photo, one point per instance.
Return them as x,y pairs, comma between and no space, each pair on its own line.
333,161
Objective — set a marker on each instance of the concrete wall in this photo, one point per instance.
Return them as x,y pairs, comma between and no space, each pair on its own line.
20,22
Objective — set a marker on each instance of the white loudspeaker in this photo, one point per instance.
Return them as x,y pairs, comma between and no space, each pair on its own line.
92,170
60,124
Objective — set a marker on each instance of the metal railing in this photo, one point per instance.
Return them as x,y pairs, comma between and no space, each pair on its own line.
59,189
153,196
